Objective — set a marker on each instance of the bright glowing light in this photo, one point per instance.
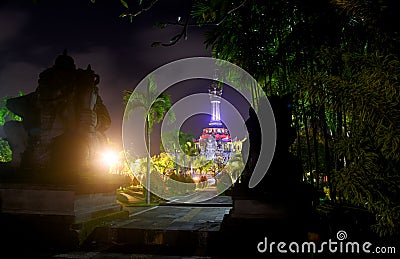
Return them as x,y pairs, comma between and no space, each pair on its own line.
110,158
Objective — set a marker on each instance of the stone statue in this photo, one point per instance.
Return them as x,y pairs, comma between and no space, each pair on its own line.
63,120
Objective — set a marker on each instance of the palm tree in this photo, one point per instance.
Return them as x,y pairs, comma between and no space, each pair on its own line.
190,152
159,105
185,142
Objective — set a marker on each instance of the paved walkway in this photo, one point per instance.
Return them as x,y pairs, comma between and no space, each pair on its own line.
175,218
172,230
206,195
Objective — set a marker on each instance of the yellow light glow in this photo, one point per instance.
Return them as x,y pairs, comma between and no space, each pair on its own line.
110,158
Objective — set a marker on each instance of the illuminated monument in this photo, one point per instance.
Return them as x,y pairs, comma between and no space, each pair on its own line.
215,143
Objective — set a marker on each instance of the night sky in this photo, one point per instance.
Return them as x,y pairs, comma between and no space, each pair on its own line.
33,34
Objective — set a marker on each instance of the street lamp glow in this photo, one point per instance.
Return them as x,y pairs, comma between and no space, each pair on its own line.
110,158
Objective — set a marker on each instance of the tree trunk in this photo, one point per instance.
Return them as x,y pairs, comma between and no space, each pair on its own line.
148,161
297,127
307,141
315,140
328,158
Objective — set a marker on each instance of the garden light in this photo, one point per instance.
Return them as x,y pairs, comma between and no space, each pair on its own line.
110,158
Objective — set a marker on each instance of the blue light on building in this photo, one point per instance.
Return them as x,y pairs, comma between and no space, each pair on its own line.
215,143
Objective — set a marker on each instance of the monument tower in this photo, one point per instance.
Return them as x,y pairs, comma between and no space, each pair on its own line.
215,99
215,143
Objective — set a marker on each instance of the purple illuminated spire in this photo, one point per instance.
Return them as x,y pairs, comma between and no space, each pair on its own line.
215,92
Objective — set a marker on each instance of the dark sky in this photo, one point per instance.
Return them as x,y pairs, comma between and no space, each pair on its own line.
32,35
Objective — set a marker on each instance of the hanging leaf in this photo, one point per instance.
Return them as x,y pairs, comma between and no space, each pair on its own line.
156,44
125,4
160,25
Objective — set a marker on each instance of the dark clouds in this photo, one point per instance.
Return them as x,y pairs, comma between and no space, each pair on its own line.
32,35
12,22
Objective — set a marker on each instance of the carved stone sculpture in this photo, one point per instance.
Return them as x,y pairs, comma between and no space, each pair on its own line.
63,120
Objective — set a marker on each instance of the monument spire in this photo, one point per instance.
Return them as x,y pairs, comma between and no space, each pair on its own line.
215,92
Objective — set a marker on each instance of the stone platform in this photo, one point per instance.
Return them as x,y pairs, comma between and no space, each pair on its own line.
164,230
79,202
56,216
